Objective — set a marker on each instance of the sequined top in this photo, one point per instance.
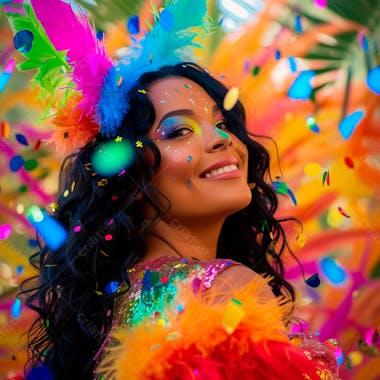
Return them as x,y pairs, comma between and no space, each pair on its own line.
154,285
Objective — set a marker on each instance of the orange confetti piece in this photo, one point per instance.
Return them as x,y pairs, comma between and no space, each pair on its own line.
5,129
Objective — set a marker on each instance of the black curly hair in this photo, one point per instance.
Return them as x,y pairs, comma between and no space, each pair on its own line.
74,310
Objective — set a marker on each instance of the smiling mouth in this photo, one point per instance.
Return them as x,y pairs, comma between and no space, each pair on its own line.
227,171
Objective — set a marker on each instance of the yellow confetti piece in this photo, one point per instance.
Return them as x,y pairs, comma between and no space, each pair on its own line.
355,357
139,144
232,316
53,206
66,193
231,98
142,91
118,139
73,186
312,169
173,335
301,240
252,185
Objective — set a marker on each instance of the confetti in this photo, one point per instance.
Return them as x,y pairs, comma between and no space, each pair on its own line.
292,64
167,20
355,358
112,287
349,162
100,35
16,163
349,123
189,158
313,281
112,157
108,237
320,3
280,187
37,145
233,314
333,271
256,71
252,185
118,139
312,125
53,233
326,178
23,40
277,55
142,91
66,193
312,169
133,25
343,212
77,228
292,197
301,88
21,139
30,165
5,231
6,74
231,98
301,240
16,308
373,80
297,24
139,144
5,130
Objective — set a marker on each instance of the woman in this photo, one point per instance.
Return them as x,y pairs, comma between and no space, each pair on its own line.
170,211
162,272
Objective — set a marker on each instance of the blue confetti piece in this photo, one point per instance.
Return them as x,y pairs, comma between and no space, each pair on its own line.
332,271
373,80
292,64
301,87
16,308
40,373
298,25
100,35
365,44
277,55
112,287
167,20
23,40
4,79
21,139
33,242
53,233
189,158
313,281
147,281
220,21
349,123
292,197
19,270
133,25
16,163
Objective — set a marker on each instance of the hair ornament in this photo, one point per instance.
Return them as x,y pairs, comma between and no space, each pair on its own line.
87,90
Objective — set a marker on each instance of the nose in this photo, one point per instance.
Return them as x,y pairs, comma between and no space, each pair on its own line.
216,139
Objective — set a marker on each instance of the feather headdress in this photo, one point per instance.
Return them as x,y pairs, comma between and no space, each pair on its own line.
72,63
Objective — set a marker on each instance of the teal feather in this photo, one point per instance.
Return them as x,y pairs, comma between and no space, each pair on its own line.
159,47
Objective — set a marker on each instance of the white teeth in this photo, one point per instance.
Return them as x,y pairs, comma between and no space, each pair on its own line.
224,169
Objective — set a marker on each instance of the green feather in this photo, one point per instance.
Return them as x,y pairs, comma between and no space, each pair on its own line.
51,64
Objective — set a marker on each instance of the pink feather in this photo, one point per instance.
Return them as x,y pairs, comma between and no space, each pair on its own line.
70,32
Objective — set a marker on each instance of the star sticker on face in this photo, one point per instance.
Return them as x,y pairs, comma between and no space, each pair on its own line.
118,139
139,144
103,182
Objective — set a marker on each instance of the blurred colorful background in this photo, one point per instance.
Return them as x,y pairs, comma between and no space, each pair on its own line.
308,74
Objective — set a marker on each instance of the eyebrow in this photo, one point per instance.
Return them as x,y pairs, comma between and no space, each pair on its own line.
187,112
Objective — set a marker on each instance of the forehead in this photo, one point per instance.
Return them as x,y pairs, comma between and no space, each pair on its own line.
173,93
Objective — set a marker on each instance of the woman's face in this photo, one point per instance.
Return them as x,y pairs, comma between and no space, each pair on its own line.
194,142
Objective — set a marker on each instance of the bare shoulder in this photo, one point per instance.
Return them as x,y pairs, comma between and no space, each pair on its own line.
240,276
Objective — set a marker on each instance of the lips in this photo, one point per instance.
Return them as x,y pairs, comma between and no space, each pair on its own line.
219,165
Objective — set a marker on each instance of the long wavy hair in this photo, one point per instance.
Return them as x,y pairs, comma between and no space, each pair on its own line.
74,309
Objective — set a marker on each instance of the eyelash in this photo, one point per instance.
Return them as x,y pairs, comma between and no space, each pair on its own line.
174,133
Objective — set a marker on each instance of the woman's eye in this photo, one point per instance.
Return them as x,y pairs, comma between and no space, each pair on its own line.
222,125
179,132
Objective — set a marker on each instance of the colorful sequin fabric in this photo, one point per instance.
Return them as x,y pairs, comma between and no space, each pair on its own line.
154,287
